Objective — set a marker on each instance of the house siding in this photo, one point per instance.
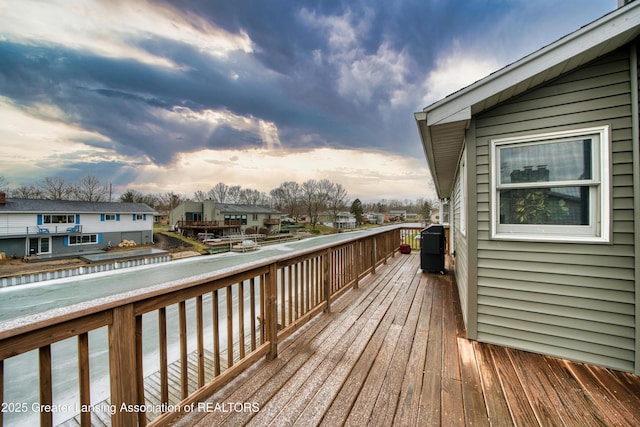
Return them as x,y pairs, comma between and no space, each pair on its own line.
564,299
461,259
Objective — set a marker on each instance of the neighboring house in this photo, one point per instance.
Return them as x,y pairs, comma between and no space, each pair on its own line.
36,227
223,219
343,220
397,215
374,218
540,161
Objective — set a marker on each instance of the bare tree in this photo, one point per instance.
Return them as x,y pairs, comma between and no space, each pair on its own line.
133,196
55,188
219,192
252,197
336,200
233,194
90,189
4,185
27,192
200,196
287,198
314,197
168,201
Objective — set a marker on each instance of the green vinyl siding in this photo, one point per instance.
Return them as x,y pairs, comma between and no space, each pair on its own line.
461,251
572,300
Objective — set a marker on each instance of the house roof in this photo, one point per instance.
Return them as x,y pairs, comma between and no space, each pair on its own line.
245,209
72,207
442,125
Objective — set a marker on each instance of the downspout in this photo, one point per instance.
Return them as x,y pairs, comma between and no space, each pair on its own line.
635,140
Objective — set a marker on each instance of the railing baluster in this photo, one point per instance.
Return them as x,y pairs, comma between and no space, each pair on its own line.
252,300
307,282
162,348
303,298
229,327
296,293
142,418
200,339
326,281
216,333
290,296
263,309
282,305
184,362
241,318
84,380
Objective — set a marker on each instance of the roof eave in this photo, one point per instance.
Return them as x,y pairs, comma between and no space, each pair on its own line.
599,37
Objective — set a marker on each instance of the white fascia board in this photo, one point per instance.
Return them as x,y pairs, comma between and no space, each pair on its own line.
617,23
425,136
460,116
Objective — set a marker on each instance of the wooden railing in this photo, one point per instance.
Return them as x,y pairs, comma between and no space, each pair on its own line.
411,237
225,323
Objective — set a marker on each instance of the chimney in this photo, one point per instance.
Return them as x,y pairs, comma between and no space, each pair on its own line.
3,198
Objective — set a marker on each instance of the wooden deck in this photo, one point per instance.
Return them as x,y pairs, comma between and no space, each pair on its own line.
394,352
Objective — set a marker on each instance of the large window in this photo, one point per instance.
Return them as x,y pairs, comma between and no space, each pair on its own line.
84,239
552,187
58,219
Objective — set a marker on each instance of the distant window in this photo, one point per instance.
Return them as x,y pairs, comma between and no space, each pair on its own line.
552,186
84,239
59,219
109,217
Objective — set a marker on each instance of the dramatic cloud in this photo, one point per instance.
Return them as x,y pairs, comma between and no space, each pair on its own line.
157,95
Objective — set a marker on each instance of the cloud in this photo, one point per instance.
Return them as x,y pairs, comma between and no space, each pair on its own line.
38,141
455,70
115,29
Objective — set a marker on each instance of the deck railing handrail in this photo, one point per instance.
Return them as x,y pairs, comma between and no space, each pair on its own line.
264,301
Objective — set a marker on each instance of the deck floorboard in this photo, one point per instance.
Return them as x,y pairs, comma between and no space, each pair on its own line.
394,352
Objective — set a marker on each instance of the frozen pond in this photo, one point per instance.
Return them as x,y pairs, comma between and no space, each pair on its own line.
117,256
21,374
23,300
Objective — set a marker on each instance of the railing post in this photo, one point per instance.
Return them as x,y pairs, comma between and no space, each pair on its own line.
46,386
272,311
122,365
326,280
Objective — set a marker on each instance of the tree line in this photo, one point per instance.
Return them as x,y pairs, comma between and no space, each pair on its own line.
310,199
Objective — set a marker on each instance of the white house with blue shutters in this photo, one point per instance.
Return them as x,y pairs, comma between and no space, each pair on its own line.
38,227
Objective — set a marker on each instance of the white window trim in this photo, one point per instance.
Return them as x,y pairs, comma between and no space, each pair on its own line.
559,233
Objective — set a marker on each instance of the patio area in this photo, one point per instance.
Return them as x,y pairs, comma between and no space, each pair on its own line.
394,352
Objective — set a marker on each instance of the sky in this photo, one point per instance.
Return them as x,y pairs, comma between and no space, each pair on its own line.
160,96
